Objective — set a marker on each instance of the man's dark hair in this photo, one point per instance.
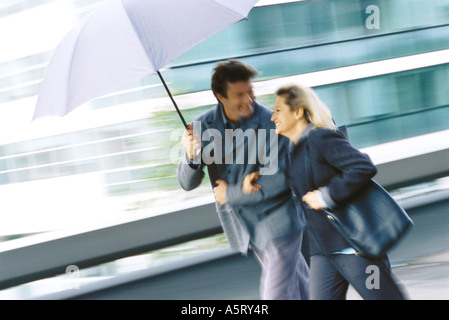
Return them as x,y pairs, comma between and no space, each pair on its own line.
230,71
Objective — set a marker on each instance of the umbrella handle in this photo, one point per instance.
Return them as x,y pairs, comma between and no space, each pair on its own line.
173,100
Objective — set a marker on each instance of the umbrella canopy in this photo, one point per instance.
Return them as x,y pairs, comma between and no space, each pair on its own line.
125,40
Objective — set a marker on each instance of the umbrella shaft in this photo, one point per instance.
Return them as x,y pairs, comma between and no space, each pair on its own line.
173,100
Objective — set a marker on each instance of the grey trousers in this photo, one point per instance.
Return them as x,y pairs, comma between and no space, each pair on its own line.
285,273
331,275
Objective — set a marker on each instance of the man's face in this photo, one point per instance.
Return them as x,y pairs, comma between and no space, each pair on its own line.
239,101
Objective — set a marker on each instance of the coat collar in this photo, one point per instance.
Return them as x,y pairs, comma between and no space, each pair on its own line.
219,117
303,137
306,132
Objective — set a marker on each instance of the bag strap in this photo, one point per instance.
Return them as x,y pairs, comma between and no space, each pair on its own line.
309,173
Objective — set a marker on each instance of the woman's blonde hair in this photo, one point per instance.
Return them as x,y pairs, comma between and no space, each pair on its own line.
315,110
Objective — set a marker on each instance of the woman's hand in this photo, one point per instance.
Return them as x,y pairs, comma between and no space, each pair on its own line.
249,183
313,200
220,191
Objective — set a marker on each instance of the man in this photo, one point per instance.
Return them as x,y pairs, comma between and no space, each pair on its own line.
266,221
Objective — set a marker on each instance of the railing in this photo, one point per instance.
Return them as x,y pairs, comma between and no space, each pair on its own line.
399,163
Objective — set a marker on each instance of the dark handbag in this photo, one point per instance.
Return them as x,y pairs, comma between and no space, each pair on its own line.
370,220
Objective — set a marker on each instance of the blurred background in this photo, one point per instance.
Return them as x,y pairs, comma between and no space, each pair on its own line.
115,157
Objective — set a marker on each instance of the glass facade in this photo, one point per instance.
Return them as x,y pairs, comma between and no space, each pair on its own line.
133,162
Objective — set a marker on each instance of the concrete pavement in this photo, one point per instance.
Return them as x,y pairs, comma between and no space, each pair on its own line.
425,278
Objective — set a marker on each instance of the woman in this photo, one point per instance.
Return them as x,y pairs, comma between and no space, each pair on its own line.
337,170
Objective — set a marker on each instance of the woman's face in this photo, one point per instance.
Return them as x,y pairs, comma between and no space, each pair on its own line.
284,118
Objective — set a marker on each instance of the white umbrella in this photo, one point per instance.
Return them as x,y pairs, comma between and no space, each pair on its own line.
126,40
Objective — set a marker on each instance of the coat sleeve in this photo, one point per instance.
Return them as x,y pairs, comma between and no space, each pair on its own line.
189,174
275,186
354,168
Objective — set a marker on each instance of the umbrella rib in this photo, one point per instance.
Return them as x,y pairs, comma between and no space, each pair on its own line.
173,100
